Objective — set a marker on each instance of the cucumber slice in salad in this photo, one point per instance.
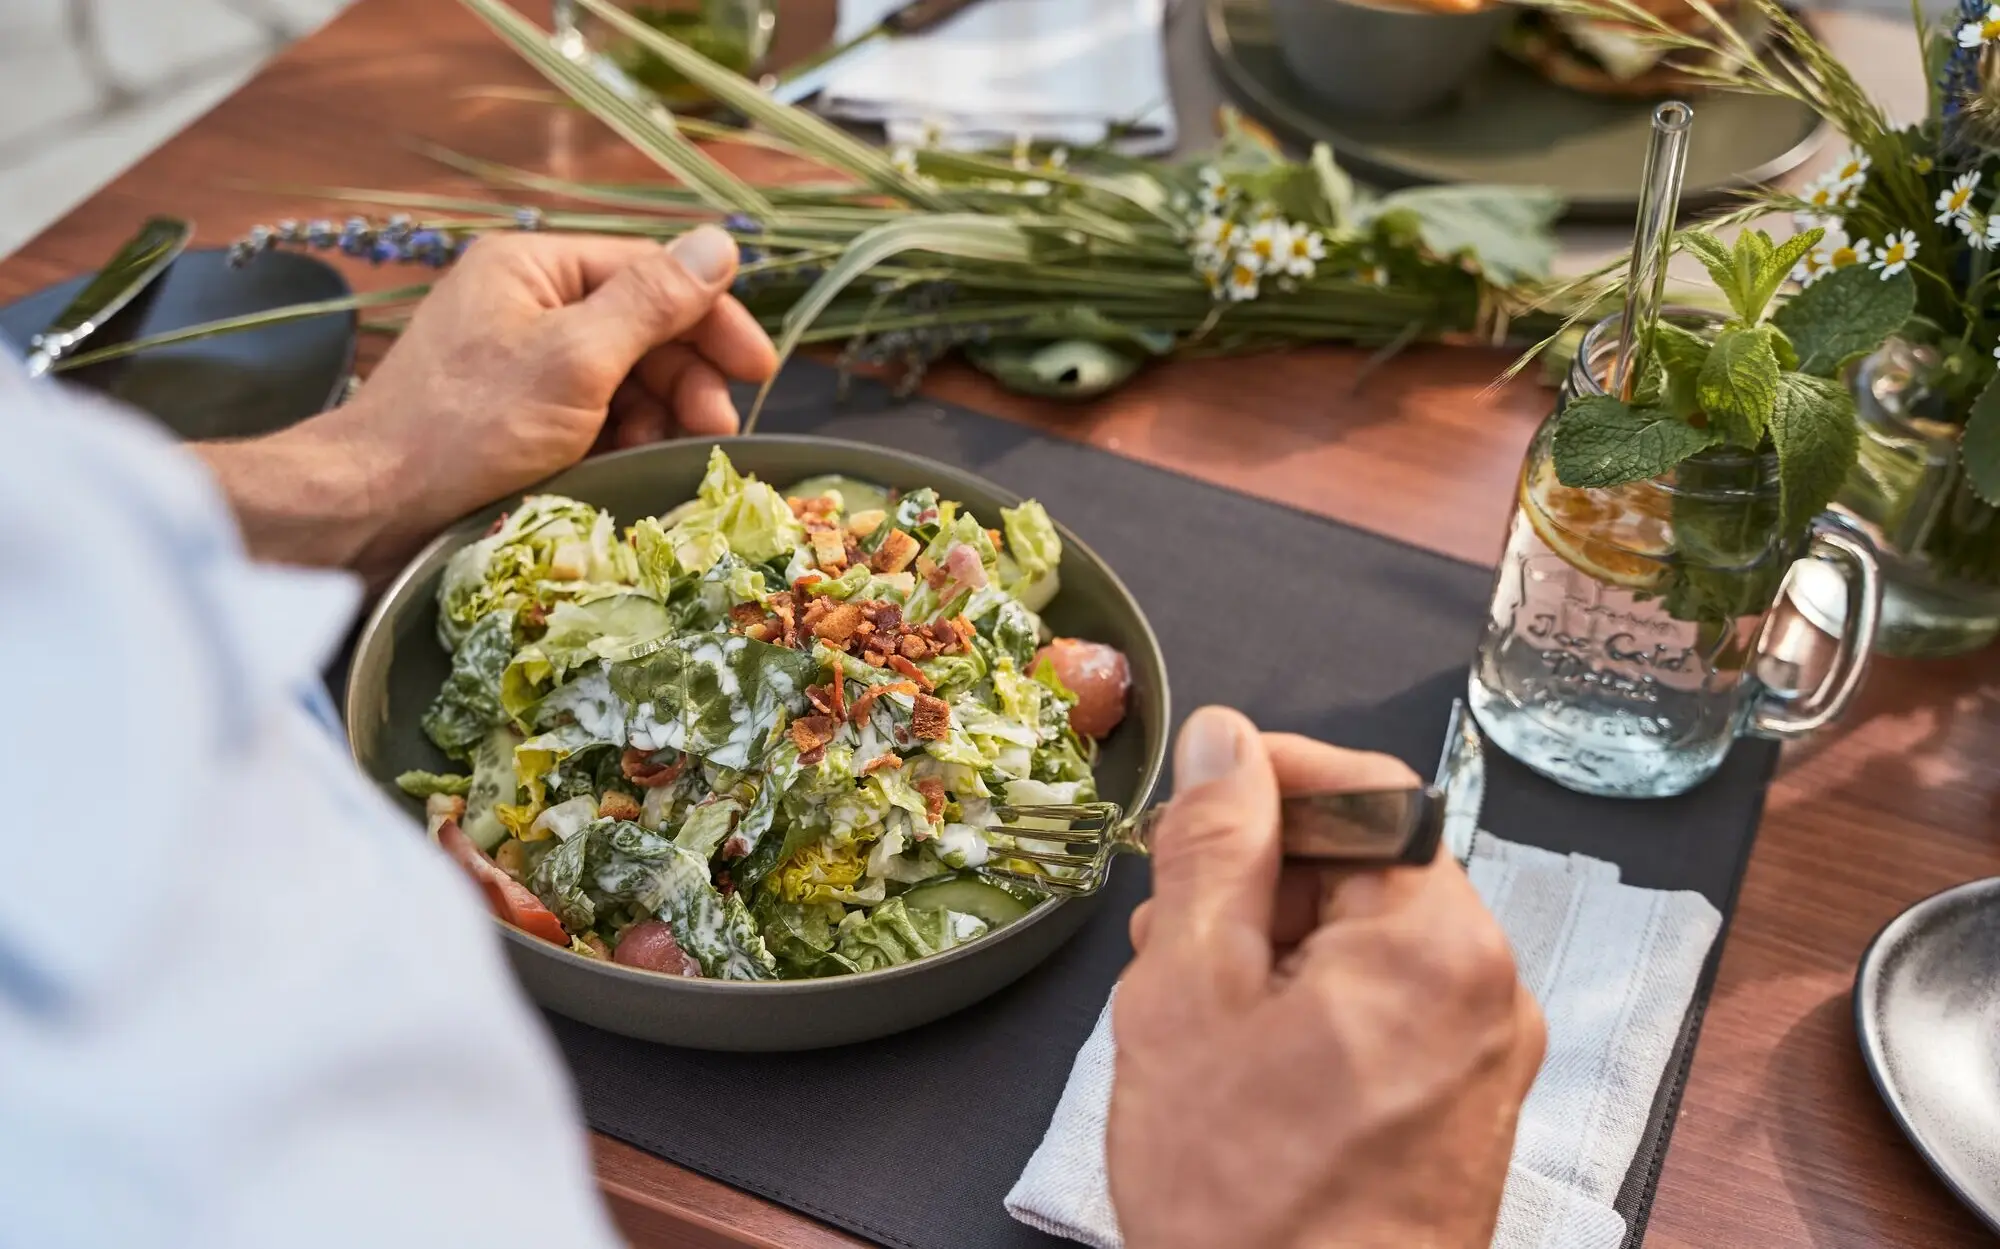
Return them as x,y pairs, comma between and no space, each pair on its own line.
968,895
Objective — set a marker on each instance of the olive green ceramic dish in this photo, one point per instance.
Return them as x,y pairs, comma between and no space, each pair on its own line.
398,666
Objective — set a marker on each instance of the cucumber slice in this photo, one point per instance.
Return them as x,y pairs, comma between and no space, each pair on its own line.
855,495
968,895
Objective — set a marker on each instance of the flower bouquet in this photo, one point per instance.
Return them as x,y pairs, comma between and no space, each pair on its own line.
1058,272
1923,200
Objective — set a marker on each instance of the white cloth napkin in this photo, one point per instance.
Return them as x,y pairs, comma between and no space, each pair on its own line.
1057,71
1614,968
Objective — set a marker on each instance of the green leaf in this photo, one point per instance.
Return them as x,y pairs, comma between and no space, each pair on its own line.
1979,446
1504,231
249,321
1072,368
1719,262
1844,316
1681,352
1738,385
1815,430
1779,264
963,235
1600,441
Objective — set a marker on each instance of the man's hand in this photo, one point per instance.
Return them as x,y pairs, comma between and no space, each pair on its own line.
1334,1059
505,375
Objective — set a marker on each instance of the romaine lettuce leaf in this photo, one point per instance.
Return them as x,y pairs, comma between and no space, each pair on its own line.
1034,549
548,549
468,707
731,513
707,825
634,865
801,934
1015,632
558,881
893,934
716,696
611,627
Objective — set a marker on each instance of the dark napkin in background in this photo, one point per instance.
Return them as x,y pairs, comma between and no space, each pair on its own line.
1308,625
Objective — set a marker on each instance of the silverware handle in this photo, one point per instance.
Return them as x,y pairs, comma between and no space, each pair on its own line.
1373,828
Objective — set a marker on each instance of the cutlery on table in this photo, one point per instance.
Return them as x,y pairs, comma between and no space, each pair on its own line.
143,258
810,77
1377,827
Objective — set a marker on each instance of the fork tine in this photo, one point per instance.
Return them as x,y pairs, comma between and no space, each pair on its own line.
1049,857
1048,884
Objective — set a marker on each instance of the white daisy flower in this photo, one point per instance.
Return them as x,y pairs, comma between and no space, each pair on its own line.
1217,236
1996,353
1303,249
1956,200
1894,255
1216,192
1818,262
1374,275
1823,195
904,158
1058,157
1269,243
1854,167
1803,221
1846,253
1976,227
1986,30
1993,232
1241,284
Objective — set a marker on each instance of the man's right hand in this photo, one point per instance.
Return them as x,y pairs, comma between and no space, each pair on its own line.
1323,1060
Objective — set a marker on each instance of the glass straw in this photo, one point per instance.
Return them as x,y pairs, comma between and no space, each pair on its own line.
1659,200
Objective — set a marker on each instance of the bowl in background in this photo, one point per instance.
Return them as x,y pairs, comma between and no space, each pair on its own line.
1382,59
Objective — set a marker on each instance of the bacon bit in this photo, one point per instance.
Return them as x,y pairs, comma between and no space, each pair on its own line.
617,806
933,791
926,516
911,671
812,732
853,554
881,762
762,633
815,612
735,847
724,883
838,624
839,690
801,587
813,757
746,614
499,523
875,659
885,616
819,698
895,553
859,711
963,627
830,550
995,537
932,718
638,767
535,617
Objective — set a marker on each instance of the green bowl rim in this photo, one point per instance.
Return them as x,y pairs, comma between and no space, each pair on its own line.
468,529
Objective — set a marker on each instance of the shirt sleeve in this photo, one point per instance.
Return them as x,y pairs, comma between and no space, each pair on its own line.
243,1002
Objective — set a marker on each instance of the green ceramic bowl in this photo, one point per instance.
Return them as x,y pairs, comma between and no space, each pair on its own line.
398,667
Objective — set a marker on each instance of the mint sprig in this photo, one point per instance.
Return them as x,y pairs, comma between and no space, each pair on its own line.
1602,441
1844,316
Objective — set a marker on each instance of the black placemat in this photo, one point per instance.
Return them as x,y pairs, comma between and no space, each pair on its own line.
1308,625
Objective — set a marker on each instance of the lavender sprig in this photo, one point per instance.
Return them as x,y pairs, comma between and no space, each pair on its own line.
399,240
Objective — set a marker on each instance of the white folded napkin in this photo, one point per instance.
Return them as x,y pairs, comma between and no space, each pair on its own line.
1058,71
1614,968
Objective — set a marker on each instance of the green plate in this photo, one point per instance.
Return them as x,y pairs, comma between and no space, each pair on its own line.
1512,126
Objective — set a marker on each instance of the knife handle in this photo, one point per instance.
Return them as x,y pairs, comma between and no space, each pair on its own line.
1377,827
920,15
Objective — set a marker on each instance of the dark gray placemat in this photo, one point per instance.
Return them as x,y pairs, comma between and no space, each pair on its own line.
1308,625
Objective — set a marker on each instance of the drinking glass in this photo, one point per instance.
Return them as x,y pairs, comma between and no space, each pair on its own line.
1622,650
733,33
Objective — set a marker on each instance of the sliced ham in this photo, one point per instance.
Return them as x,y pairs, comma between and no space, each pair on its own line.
1099,676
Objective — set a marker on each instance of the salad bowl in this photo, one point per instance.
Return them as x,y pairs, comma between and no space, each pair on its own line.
399,666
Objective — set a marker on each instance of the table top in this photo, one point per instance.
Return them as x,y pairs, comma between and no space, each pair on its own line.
1781,1141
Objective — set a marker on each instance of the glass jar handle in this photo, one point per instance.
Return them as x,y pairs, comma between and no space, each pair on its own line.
1836,541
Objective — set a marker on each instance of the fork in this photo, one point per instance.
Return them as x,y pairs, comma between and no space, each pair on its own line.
1074,844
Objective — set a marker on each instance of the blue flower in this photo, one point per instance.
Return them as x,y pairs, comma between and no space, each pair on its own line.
738,223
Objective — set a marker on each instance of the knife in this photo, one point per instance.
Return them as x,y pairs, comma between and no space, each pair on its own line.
141,260
809,78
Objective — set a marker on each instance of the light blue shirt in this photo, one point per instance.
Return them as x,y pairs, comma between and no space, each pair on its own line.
243,1001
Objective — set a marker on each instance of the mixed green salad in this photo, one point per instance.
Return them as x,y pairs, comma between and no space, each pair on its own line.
758,737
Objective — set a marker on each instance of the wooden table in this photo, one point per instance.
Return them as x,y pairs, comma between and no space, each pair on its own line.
1781,1141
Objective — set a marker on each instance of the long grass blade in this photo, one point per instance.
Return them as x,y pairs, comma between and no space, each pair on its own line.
238,325
810,135
951,234
652,135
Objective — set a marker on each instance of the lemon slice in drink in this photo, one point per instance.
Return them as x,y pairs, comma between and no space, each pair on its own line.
1619,537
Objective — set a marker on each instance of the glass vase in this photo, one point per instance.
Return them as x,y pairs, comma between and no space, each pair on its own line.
733,33
1939,544
1624,650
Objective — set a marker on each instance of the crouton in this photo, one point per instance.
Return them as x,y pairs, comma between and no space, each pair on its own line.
895,553
932,718
617,805
830,550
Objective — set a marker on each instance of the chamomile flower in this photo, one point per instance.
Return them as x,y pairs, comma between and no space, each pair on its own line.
1216,192
1269,243
1894,255
1825,196
1996,353
1241,284
1851,168
1374,275
1977,228
1303,250
1985,30
1216,235
1956,200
